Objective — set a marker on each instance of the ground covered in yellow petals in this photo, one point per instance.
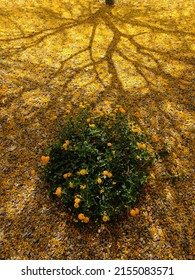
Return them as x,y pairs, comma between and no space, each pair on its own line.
55,54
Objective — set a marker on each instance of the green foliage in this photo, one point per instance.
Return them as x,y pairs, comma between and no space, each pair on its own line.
99,163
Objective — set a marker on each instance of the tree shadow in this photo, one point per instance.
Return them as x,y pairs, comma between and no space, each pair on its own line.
119,51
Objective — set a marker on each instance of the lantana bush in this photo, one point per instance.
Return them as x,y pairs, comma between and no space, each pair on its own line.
98,165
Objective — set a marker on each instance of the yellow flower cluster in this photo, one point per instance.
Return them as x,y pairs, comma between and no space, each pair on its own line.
83,172
107,173
67,175
45,159
65,145
141,145
77,200
134,212
105,218
82,218
99,180
58,192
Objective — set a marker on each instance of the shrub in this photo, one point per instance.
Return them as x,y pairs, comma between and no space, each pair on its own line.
98,165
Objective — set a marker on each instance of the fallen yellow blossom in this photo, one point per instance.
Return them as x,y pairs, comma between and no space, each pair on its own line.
138,115
154,138
122,110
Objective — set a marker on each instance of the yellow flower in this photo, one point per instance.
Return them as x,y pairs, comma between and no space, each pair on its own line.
77,200
81,216
122,110
132,212
53,118
68,111
65,145
88,120
109,175
66,175
82,187
92,125
45,159
141,145
58,192
179,146
114,183
175,155
86,220
83,172
113,152
76,205
99,180
71,185
101,191
33,172
109,144
105,218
